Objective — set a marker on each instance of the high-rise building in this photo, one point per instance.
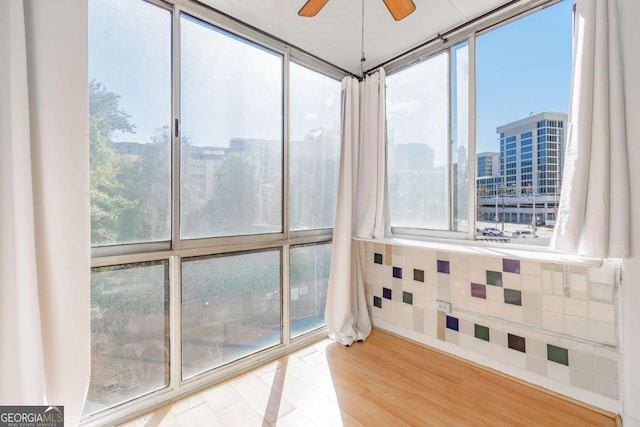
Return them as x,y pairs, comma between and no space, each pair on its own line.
532,153
528,177
488,164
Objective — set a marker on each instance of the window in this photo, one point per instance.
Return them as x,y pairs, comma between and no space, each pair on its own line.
230,308
314,148
309,279
200,199
129,122
232,123
129,333
428,174
521,109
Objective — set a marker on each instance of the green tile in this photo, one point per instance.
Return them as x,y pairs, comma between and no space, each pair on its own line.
481,332
558,354
512,296
494,278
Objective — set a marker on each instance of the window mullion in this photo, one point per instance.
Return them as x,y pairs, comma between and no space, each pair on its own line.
176,138
471,155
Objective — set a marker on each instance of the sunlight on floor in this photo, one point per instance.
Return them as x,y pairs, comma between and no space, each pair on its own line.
296,390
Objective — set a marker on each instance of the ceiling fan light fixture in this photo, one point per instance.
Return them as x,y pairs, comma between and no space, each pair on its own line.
312,7
400,9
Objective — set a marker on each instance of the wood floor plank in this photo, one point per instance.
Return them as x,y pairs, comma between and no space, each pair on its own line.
386,381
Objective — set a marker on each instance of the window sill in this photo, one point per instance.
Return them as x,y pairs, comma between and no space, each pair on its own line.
469,247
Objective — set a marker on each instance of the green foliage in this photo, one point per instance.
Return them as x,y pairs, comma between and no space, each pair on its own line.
107,201
130,197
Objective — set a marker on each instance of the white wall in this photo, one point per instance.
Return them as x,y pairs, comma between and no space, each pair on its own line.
630,289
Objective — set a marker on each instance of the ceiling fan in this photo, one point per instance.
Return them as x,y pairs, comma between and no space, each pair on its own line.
399,9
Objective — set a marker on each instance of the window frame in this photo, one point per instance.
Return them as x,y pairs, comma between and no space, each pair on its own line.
492,20
176,249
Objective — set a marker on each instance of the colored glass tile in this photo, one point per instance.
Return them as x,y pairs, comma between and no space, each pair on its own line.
386,293
494,278
407,298
516,343
397,272
511,265
453,323
481,332
418,275
478,291
443,266
377,302
512,296
558,354
377,258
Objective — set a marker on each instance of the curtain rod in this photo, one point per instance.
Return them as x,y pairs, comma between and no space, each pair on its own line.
274,38
443,36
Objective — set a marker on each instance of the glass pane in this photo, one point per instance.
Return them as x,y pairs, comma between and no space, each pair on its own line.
231,308
522,103
231,136
308,278
315,148
460,116
129,333
129,121
418,141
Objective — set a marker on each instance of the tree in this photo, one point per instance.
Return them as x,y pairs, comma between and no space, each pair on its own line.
146,184
233,207
107,201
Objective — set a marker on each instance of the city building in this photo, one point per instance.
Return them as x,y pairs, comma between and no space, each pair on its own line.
529,181
488,164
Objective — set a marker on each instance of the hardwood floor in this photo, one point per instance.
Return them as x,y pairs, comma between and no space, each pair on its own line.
386,381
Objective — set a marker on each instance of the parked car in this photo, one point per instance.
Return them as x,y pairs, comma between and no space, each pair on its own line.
491,231
524,234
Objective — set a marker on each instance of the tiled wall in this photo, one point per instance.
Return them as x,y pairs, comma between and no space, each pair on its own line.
553,320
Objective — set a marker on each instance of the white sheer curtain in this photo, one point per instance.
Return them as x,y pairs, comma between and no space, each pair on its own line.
44,200
594,212
360,208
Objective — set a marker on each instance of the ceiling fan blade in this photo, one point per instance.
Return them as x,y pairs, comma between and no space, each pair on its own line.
400,9
312,7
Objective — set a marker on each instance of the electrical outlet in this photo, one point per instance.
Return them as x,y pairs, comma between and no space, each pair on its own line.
443,306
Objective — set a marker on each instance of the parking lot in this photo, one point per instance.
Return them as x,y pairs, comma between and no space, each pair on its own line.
543,233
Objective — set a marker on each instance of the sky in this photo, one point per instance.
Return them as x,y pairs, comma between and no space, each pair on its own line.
229,89
522,68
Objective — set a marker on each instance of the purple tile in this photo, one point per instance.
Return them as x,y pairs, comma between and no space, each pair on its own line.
443,267
386,293
452,323
478,291
511,265
397,272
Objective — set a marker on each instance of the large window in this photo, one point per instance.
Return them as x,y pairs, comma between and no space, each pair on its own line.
427,143
521,76
523,73
129,122
230,308
211,222
129,333
232,124
315,148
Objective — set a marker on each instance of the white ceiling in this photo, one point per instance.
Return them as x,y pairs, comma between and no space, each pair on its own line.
334,34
